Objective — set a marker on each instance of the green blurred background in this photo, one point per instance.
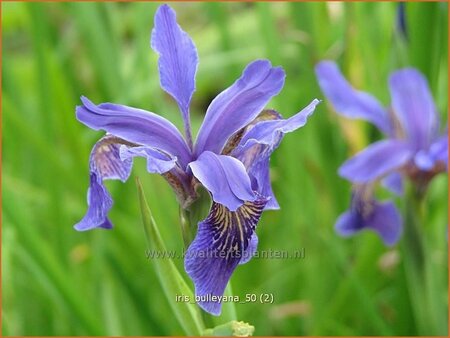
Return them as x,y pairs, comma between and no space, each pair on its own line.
56,281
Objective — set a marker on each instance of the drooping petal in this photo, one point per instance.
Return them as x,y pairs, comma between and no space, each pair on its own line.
220,245
349,102
99,203
238,105
112,158
367,213
104,163
384,219
135,125
413,104
225,177
178,58
376,161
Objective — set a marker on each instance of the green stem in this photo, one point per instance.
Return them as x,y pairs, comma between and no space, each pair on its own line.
172,282
418,267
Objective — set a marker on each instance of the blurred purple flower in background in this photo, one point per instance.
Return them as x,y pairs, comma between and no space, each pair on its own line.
414,147
230,157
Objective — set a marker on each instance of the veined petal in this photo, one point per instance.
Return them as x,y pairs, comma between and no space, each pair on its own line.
221,242
413,104
377,160
250,251
238,105
135,125
225,177
349,102
104,163
178,58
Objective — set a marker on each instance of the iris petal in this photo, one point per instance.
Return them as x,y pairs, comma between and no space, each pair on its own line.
349,102
256,146
157,162
394,182
376,161
250,251
383,218
413,104
224,239
438,152
225,177
260,172
386,221
238,105
270,132
104,163
135,125
112,158
178,58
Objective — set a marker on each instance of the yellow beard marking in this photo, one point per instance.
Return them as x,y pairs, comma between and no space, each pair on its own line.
232,229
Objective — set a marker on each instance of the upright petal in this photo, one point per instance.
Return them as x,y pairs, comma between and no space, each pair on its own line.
413,104
136,126
104,163
178,58
225,177
376,161
349,102
224,239
238,105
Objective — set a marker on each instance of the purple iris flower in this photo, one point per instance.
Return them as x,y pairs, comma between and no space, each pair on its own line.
414,148
230,157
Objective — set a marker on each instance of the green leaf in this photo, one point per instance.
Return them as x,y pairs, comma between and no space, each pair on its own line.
173,284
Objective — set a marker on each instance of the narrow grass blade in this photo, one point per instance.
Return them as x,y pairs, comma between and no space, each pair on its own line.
173,284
